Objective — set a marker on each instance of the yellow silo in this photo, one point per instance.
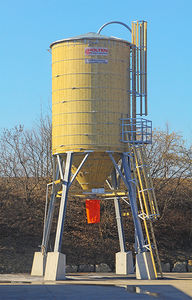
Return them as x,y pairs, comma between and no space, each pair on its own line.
90,94
99,87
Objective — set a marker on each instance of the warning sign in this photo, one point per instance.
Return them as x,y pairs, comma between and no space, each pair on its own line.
89,51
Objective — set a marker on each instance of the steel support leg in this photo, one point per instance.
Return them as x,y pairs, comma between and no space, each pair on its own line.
63,203
49,217
118,214
127,179
133,203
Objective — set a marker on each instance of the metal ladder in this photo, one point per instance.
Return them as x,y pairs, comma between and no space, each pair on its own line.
148,209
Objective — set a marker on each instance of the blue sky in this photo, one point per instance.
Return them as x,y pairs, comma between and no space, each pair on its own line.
28,27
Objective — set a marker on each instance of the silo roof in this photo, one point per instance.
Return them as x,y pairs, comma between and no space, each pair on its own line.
90,35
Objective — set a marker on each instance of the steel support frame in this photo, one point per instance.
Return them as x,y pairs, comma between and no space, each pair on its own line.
130,184
64,182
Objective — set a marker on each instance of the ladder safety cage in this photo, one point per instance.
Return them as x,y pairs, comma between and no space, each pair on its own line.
138,68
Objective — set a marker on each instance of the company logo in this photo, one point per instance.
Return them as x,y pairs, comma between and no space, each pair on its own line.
96,51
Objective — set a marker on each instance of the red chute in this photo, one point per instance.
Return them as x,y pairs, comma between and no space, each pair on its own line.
93,211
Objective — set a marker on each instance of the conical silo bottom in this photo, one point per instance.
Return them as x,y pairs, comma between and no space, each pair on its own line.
95,171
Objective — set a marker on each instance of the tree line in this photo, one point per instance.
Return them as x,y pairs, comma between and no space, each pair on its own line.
26,154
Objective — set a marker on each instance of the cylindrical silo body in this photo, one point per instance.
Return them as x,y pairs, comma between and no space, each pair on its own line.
90,94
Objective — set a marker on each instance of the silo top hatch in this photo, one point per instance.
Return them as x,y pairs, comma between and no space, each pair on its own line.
89,36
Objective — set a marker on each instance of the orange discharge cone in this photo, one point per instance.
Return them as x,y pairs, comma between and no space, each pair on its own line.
93,211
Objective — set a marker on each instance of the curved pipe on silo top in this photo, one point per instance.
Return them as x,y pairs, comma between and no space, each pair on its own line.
113,22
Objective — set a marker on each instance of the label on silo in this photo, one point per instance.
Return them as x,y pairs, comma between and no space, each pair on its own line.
96,61
90,51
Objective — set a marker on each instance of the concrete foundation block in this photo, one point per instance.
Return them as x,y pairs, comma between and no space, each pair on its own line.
144,266
55,266
39,262
124,263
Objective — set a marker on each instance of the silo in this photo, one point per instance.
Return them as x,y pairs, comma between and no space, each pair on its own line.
90,84
99,88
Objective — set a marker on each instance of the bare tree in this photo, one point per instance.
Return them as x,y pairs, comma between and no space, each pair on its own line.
26,155
170,161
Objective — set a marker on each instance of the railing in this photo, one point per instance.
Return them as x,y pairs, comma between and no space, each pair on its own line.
136,131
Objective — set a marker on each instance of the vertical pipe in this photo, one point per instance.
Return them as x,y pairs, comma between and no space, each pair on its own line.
132,41
134,33
141,70
137,57
143,84
133,95
128,84
145,51
134,85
